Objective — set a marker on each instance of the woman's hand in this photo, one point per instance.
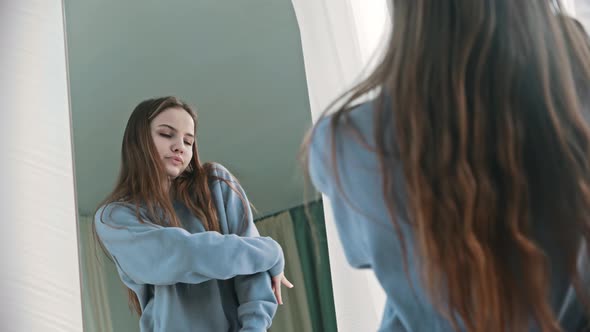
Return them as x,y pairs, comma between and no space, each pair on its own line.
276,285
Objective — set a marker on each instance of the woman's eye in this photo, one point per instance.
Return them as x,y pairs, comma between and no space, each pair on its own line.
165,135
188,143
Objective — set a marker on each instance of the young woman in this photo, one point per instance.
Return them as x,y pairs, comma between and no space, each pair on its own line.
181,233
465,185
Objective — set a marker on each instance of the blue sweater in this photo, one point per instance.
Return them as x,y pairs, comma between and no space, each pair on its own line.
368,236
188,279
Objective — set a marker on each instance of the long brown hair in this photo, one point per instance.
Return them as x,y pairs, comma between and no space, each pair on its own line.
142,174
485,99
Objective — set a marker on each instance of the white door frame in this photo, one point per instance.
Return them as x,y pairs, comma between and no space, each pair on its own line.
40,275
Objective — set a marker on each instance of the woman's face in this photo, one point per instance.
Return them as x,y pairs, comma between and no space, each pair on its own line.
174,136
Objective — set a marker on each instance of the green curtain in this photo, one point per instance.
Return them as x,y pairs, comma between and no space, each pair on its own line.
302,234
310,232
293,315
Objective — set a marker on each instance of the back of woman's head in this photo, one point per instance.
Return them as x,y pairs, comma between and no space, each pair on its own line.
489,130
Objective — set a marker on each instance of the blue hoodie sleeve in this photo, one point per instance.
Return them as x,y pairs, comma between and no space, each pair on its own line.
257,302
156,255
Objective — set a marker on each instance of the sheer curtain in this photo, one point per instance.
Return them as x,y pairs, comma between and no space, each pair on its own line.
339,38
95,303
581,9
569,5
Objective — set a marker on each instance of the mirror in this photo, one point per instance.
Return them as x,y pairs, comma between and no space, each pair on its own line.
240,65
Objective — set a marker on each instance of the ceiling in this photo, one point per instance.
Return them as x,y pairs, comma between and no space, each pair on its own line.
239,62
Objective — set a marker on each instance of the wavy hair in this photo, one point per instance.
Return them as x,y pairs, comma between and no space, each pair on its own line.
142,174
488,104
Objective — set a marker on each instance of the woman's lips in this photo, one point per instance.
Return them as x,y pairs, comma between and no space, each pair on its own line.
176,160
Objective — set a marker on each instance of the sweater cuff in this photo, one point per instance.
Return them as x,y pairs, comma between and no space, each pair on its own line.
256,317
279,266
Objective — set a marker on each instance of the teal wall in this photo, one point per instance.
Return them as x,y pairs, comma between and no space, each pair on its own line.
239,62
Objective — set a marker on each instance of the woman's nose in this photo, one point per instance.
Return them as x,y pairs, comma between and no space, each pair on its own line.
177,147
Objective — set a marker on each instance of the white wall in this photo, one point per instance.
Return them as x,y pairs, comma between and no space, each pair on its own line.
39,275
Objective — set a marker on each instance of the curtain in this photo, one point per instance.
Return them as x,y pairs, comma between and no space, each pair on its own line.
339,39
582,12
310,234
293,315
309,306
95,305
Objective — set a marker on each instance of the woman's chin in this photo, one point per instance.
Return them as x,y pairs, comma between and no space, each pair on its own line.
173,172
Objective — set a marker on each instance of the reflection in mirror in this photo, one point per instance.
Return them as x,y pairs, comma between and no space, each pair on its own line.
238,66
